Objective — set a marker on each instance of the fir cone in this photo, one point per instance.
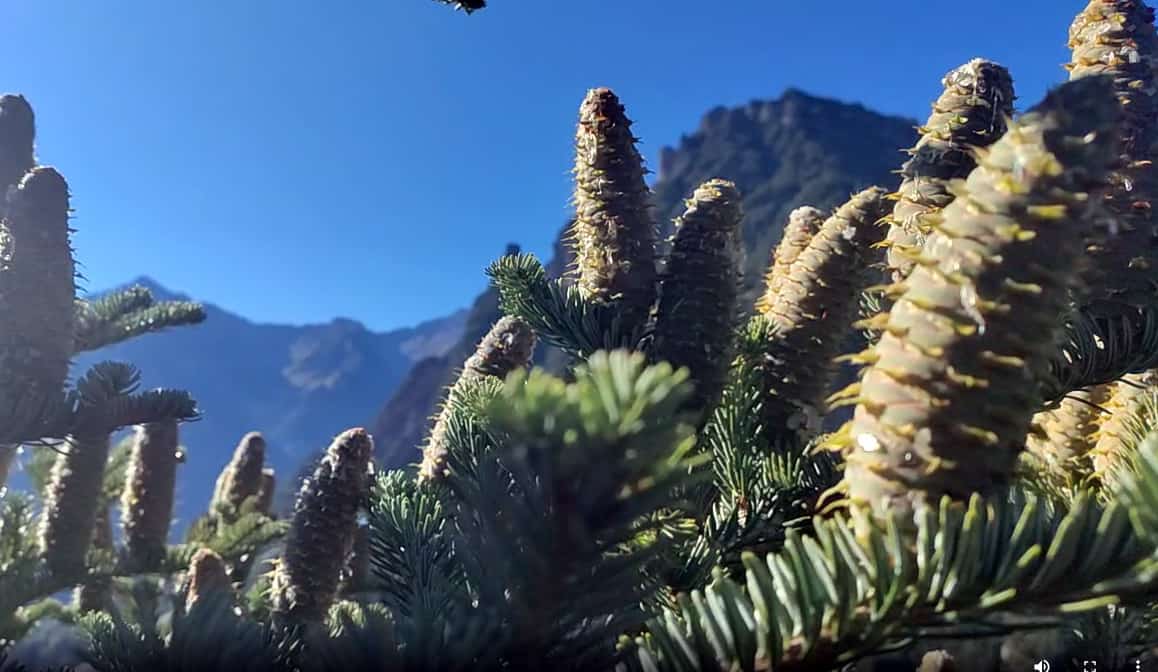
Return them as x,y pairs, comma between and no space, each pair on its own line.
17,136
971,112
71,503
207,575
1117,38
37,295
322,532
1126,401
147,500
699,290
1066,434
241,478
614,231
815,308
951,386
803,223
509,345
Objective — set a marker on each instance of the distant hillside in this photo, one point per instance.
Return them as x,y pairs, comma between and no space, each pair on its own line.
299,385
796,150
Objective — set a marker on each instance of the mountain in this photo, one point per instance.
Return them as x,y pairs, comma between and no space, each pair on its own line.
796,150
298,385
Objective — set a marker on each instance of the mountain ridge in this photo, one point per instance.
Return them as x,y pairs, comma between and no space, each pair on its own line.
297,384
798,149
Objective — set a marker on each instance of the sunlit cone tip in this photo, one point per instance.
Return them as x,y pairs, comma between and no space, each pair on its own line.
353,445
984,79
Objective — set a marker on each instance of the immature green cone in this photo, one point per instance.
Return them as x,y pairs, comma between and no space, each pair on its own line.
803,223
71,504
972,111
815,308
614,231
17,136
207,575
147,500
37,292
1117,38
509,345
699,290
266,490
322,532
241,478
951,386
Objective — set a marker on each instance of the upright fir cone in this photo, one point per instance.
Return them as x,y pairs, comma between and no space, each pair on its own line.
614,231
699,290
1117,38
17,137
1127,398
971,112
951,386
71,504
37,293
241,478
1066,434
266,491
147,500
207,575
814,309
323,529
803,223
509,345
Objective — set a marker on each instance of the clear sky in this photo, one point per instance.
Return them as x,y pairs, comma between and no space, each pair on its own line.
300,160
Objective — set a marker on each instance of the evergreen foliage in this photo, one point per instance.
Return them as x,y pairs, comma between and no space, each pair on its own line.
670,502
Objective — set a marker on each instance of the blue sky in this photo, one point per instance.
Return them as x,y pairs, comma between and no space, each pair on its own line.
299,160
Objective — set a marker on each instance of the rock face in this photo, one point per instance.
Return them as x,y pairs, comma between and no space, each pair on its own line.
796,150
298,385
